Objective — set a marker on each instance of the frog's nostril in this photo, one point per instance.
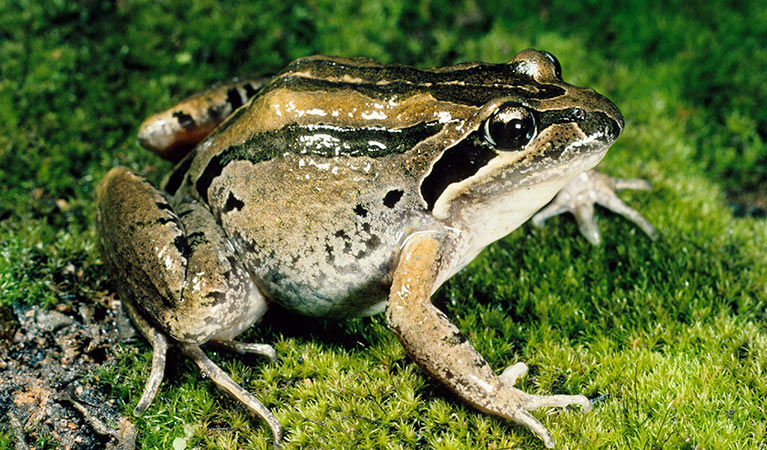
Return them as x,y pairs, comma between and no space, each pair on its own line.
578,114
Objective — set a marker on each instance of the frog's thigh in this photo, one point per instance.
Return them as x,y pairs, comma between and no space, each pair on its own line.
442,351
173,132
185,278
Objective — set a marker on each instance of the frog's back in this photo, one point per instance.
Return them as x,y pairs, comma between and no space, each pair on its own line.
318,179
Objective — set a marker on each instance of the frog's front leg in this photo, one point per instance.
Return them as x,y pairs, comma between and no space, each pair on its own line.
180,279
442,351
579,196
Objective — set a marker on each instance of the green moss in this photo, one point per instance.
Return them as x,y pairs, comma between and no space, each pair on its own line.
671,333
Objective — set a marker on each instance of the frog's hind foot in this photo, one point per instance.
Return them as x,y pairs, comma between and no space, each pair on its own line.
579,196
530,402
245,348
512,374
226,384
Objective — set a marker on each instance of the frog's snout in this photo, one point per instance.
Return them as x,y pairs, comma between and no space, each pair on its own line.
617,123
602,119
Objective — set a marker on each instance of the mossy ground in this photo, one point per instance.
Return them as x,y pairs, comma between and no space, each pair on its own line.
671,334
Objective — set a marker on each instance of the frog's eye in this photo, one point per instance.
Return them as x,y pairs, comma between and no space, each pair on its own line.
557,67
510,127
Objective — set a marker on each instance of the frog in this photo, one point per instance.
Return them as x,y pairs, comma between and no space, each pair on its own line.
343,188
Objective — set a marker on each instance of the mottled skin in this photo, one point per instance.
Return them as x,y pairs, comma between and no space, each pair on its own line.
343,188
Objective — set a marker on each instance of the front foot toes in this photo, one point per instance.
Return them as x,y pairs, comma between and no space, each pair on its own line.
579,196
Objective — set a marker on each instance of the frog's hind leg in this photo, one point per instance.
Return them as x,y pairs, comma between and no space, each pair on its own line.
173,132
180,278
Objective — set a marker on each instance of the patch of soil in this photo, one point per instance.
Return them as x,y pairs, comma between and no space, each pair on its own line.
49,392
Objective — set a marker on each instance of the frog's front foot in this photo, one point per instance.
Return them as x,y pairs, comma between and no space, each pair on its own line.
442,351
579,196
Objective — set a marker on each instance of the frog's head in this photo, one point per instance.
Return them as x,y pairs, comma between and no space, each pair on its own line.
520,147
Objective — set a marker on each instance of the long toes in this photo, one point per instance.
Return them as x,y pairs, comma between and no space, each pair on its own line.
584,216
632,183
615,204
159,350
245,348
225,383
513,373
553,209
534,402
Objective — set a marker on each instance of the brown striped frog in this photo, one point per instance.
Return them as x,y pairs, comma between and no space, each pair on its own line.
345,188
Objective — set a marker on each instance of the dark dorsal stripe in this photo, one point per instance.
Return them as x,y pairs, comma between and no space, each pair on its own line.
325,141
371,72
474,95
456,164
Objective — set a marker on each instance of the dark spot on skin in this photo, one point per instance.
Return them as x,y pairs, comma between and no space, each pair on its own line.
347,240
456,164
373,242
164,220
195,239
184,119
250,91
233,97
215,298
479,362
212,170
233,203
177,176
329,257
214,113
182,246
392,197
164,205
455,339
360,211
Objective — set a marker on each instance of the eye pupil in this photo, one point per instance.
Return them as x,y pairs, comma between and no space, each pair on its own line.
510,127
